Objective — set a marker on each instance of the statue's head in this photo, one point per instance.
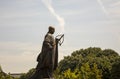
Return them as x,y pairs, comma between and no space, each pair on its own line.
51,29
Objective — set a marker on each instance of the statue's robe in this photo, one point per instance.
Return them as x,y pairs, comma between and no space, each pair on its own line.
47,59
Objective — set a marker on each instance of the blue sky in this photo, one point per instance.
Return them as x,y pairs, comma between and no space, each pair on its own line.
23,24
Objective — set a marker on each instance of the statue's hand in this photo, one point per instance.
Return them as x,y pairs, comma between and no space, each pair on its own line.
57,40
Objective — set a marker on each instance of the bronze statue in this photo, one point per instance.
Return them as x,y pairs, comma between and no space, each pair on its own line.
48,58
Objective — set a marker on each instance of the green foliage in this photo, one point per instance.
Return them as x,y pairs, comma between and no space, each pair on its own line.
115,71
83,72
68,74
92,63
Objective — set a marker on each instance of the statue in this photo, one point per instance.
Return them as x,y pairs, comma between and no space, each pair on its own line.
48,58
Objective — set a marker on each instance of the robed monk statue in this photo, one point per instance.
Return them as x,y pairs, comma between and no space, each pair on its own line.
48,57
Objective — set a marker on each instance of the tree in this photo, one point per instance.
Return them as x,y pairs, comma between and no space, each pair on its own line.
115,71
99,62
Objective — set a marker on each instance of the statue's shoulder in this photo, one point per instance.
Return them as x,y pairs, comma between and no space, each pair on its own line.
49,34
49,37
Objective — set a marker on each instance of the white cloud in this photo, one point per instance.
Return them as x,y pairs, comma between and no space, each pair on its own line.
111,7
56,15
18,14
15,55
19,46
115,4
102,6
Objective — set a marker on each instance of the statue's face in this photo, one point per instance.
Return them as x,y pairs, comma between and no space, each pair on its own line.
52,31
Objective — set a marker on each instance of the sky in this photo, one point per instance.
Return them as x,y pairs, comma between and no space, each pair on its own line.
24,23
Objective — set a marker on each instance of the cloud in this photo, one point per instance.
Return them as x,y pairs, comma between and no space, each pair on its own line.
111,8
17,47
114,9
115,4
20,9
16,55
60,19
102,6
20,13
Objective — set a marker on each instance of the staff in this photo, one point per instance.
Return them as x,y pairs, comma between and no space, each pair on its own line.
58,41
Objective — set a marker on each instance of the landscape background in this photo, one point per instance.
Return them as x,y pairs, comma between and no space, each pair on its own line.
23,24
